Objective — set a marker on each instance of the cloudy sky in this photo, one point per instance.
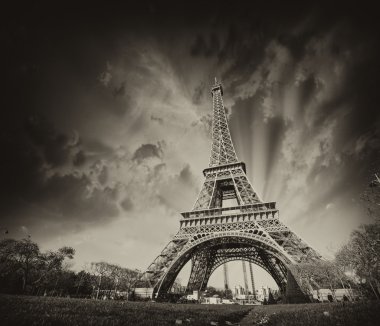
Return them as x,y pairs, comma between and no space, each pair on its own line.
106,116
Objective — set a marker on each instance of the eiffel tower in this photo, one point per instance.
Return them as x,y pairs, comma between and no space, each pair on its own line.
213,233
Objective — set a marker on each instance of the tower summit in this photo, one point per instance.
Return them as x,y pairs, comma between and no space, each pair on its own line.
215,232
222,149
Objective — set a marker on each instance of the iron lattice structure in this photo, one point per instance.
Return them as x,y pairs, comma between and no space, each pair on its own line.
211,235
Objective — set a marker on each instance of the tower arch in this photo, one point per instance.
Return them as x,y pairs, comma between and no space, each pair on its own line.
210,251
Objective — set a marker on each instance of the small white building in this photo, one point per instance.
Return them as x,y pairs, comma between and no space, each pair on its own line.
213,300
240,292
194,296
263,293
144,292
241,296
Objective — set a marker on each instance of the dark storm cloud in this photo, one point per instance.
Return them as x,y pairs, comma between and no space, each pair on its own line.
186,176
243,116
205,47
34,192
205,123
103,175
69,196
79,158
158,119
184,183
127,204
250,28
122,101
159,168
120,91
245,52
32,147
308,89
276,128
20,170
97,147
54,146
63,200
54,66
198,93
147,151
352,41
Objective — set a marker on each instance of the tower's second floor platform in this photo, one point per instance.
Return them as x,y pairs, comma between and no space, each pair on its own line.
252,212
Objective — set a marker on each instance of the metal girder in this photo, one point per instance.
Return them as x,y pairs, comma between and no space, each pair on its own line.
207,260
158,267
225,274
217,247
262,258
222,149
205,196
233,183
252,280
202,262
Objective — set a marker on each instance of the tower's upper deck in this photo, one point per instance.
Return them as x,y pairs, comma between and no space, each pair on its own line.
217,86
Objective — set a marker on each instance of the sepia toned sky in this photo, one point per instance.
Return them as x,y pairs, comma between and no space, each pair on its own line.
106,115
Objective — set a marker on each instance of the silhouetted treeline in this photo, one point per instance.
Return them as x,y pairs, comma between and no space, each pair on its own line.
24,269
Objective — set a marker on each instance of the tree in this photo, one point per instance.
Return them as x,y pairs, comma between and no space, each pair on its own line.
51,266
228,294
128,278
21,262
100,270
24,269
83,283
319,274
19,257
361,255
371,197
212,291
113,277
271,299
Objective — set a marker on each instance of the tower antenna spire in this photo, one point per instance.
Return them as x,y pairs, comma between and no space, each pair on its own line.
216,81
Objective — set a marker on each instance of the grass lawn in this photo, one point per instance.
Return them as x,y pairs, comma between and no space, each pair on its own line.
26,310
316,314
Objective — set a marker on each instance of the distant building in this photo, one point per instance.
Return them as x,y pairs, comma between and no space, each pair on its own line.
213,300
241,296
194,296
178,289
144,293
240,292
263,293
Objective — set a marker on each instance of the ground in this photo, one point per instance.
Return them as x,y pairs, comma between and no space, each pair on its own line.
316,314
24,310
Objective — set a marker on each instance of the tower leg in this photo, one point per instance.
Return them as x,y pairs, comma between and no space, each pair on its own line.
252,281
293,293
202,263
225,270
245,278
